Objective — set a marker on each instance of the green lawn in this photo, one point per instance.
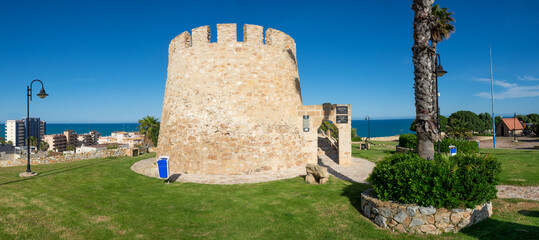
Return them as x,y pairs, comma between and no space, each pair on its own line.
376,153
519,167
104,199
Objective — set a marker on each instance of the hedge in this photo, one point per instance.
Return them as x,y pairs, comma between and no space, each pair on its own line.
458,181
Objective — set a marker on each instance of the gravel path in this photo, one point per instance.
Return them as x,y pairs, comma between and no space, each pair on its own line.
508,191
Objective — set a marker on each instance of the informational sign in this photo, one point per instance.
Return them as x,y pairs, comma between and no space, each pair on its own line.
342,109
306,123
342,118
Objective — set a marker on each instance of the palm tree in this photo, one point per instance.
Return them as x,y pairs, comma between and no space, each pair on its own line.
424,84
44,146
33,141
149,127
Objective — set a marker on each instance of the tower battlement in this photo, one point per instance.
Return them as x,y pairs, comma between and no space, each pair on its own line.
227,34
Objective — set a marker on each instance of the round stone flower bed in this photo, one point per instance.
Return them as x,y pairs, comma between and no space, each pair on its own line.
416,219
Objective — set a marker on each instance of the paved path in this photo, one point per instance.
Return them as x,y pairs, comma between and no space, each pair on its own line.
357,172
508,191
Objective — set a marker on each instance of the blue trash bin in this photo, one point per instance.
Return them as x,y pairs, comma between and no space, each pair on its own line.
162,166
452,150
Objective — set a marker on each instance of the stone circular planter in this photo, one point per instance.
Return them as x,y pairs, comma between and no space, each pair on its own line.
417,219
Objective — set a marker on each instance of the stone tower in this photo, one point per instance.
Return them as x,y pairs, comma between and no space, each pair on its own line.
232,107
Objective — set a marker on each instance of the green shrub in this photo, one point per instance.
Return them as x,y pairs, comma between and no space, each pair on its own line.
356,139
458,181
463,146
408,140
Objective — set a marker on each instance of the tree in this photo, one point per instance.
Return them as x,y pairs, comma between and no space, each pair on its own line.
70,147
441,29
427,132
149,128
443,124
524,118
2,141
466,119
33,141
486,121
10,142
44,146
533,117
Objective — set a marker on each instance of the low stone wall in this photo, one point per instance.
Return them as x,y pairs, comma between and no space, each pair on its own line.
415,219
386,139
64,158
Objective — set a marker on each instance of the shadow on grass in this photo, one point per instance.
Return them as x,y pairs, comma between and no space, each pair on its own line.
529,213
495,229
353,193
59,170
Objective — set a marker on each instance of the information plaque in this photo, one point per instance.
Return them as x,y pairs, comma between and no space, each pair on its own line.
342,119
342,109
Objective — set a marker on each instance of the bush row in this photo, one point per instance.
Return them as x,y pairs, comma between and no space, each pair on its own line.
463,146
461,180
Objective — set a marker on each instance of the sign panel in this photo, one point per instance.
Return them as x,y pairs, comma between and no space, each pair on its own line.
342,119
342,109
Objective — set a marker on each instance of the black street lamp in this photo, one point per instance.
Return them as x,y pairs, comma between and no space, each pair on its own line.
42,94
515,128
369,123
439,72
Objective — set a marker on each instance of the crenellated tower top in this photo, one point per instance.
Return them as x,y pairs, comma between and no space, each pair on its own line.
227,33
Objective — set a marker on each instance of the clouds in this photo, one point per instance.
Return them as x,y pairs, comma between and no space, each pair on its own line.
528,78
511,90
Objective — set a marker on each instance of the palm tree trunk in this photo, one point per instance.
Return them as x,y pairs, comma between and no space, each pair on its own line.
424,85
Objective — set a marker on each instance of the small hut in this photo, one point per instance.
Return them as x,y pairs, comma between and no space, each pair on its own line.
508,126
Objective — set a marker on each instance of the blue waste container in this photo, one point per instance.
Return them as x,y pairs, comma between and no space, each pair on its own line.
452,150
477,143
162,166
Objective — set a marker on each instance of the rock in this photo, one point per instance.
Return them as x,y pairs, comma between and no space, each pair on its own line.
455,217
385,212
317,171
381,221
457,210
392,223
367,211
427,228
442,217
430,219
400,217
427,210
375,210
323,180
400,228
412,210
463,223
449,229
416,222
310,179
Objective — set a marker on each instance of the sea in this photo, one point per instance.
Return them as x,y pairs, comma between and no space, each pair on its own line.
378,128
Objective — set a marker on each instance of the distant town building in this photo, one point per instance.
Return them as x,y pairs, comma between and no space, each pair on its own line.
509,126
16,130
130,138
60,142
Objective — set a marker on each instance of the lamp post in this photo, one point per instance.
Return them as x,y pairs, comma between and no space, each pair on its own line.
440,72
42,94
515,128
369,124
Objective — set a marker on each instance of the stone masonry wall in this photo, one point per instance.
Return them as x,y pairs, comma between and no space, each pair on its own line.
64,158
231,107
416,219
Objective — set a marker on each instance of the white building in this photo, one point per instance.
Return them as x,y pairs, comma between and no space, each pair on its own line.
130,138
16,130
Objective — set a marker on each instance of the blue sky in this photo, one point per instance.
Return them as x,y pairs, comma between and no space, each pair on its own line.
106,61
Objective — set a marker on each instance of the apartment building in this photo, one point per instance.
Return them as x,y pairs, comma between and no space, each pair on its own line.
87,139
59,142
16,130
130,138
